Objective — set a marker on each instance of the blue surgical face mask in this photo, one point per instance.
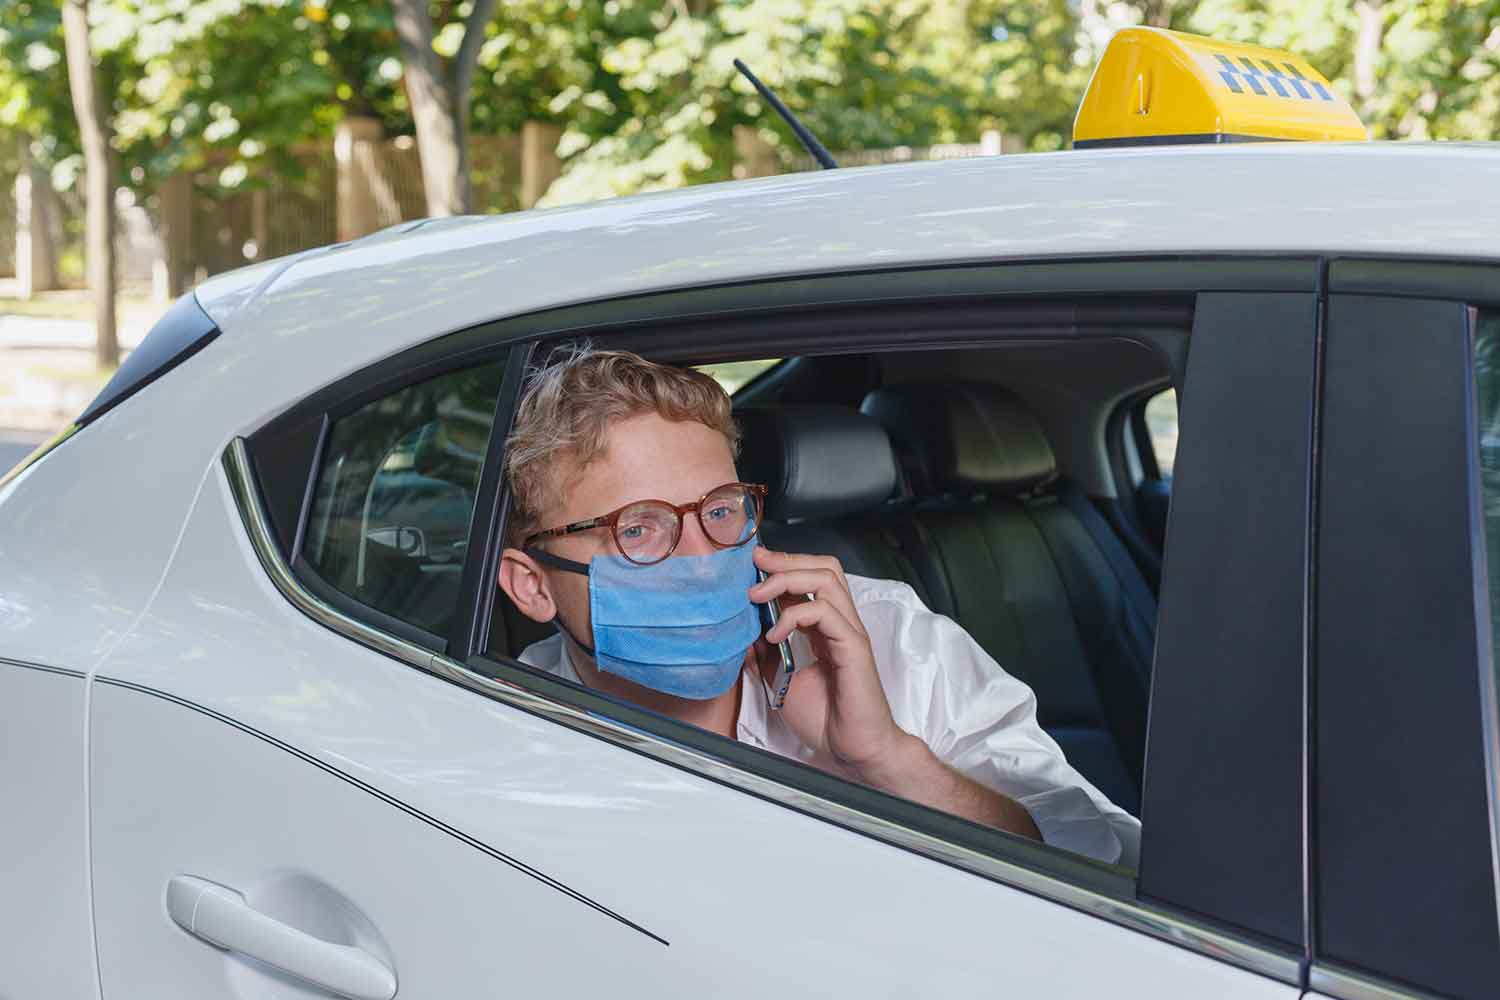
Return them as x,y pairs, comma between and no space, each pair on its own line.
680,626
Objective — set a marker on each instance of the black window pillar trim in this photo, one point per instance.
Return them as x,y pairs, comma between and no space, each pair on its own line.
471,620
1396,355
304,513
1310,629
1321,975
1234,583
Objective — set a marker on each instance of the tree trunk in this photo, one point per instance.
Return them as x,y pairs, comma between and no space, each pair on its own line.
36,256
439,101
1158,13
93,129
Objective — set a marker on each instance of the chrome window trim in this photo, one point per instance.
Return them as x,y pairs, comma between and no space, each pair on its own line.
1489,696
1161,924
1338,981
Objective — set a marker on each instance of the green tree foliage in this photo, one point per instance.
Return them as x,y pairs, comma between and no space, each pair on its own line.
242,83
35,106
663,104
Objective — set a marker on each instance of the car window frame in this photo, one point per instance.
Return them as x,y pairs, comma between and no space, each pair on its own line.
1071,294
287,453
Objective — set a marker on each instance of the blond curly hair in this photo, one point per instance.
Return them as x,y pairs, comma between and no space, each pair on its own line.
568,406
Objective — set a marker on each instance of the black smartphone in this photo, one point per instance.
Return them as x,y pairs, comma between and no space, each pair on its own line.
777,688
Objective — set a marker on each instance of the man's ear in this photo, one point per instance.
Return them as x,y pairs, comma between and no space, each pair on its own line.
523,582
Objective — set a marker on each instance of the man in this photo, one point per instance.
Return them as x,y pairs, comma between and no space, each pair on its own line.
630,532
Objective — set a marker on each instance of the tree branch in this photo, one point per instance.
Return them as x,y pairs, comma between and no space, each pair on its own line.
467,56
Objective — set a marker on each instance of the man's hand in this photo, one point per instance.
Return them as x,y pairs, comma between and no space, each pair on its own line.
836,702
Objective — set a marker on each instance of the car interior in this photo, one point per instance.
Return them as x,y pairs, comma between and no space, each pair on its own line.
390,514
1009,485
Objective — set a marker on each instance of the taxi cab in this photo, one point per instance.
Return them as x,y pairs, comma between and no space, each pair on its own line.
264,731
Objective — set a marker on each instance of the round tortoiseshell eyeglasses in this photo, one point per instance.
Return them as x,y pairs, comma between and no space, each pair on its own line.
647,531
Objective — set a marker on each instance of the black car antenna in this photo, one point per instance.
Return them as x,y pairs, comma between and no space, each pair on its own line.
808,140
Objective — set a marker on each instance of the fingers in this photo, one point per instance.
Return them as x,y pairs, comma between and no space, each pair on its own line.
818,615
780,562
822,584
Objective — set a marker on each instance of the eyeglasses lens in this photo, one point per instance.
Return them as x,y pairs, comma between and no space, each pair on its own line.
647,532
729,516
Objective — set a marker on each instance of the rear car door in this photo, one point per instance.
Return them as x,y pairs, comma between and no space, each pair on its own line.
304,785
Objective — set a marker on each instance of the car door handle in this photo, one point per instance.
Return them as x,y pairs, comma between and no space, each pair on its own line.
220,916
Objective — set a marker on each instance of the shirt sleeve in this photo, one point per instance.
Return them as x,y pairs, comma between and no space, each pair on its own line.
944,688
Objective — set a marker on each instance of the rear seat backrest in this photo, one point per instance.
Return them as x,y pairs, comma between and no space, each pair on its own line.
1028,579
828,472
963,438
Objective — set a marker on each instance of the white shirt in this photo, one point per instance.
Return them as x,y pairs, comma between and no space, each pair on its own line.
945,689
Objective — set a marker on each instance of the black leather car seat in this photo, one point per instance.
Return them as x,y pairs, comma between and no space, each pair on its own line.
1030,569
830,473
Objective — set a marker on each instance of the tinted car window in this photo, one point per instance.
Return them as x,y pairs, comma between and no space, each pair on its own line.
395,493
1161,424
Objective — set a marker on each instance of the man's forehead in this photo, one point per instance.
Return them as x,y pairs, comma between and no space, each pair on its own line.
647,458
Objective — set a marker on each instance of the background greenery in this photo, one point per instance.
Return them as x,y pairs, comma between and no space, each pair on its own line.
644,89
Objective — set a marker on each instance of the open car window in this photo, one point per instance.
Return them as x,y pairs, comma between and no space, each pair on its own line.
1161,428
957,475
735,375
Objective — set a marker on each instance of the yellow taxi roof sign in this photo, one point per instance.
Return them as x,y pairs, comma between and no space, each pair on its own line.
1154,86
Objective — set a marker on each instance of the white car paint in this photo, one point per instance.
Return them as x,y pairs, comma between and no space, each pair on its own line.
720,875
46,943
146,578
1295,198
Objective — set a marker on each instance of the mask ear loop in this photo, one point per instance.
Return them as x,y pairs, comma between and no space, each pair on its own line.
557,562
567,566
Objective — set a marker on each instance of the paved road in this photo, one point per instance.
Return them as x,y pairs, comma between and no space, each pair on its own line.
14,446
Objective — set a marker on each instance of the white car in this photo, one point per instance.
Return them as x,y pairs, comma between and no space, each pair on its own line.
263,732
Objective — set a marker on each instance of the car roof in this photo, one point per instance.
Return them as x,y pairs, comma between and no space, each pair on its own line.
356,302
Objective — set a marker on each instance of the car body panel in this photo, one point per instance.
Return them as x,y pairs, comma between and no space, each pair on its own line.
46,941
81,564
398,291
680,856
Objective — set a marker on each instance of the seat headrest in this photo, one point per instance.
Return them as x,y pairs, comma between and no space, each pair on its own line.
817,461
963,437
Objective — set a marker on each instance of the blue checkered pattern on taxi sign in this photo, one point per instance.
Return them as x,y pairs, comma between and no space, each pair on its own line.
1245,73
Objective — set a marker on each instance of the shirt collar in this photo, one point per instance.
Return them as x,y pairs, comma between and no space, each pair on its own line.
753,722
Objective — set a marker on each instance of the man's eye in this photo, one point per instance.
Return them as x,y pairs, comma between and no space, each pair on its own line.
722,512
633,532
